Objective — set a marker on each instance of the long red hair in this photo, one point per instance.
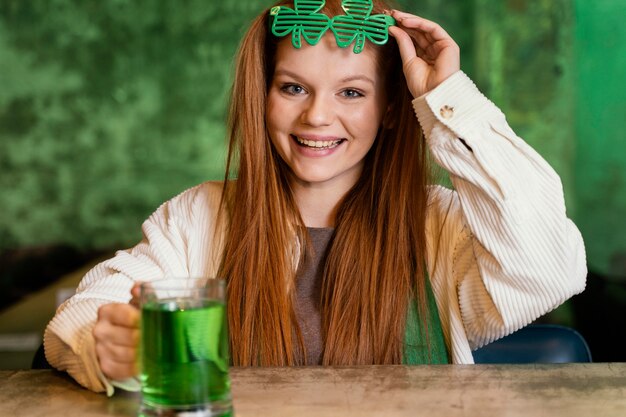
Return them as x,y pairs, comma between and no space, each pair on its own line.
375,263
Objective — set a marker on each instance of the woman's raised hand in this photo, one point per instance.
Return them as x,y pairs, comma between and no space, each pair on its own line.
429,54
116,335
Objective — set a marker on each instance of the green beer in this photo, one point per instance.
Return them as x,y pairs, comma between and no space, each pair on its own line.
184,359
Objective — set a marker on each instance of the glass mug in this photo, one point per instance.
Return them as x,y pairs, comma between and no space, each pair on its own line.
184,354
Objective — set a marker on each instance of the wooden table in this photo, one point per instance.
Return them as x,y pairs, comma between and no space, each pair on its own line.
571,390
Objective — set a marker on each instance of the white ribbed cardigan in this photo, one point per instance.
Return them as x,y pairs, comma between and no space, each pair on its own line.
500,250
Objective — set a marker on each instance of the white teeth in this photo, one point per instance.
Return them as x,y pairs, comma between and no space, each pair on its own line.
318,143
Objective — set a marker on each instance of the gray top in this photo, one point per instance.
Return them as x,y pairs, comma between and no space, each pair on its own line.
308,293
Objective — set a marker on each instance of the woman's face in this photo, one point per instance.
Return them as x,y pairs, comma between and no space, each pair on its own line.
324,108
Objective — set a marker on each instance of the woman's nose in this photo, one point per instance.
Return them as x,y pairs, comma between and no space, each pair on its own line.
318,111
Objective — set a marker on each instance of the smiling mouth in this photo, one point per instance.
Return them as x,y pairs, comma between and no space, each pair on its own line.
317,144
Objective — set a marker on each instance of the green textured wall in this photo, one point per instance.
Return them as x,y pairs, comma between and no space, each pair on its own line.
557,68
600,162
108,108
524,63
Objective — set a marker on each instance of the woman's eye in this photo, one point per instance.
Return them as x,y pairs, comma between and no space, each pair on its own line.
292,89
349,93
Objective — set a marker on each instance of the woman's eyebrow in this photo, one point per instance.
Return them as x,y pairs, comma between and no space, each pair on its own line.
280,71
356,77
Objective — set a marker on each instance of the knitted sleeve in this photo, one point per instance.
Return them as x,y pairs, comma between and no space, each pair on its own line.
505,249
176,242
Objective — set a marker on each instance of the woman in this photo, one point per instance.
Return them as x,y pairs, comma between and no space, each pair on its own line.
336,249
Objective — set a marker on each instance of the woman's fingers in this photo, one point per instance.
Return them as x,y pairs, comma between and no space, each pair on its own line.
117,323
107,333
118,314
421,41
429,54
116,370
135,292
422,44
430,29
116,353
413,46
430,36
415,68
116,335
405,44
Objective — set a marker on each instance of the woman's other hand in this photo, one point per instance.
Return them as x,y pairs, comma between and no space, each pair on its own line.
429,54
116,335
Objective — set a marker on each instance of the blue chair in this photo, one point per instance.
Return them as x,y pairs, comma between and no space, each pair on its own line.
536,343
